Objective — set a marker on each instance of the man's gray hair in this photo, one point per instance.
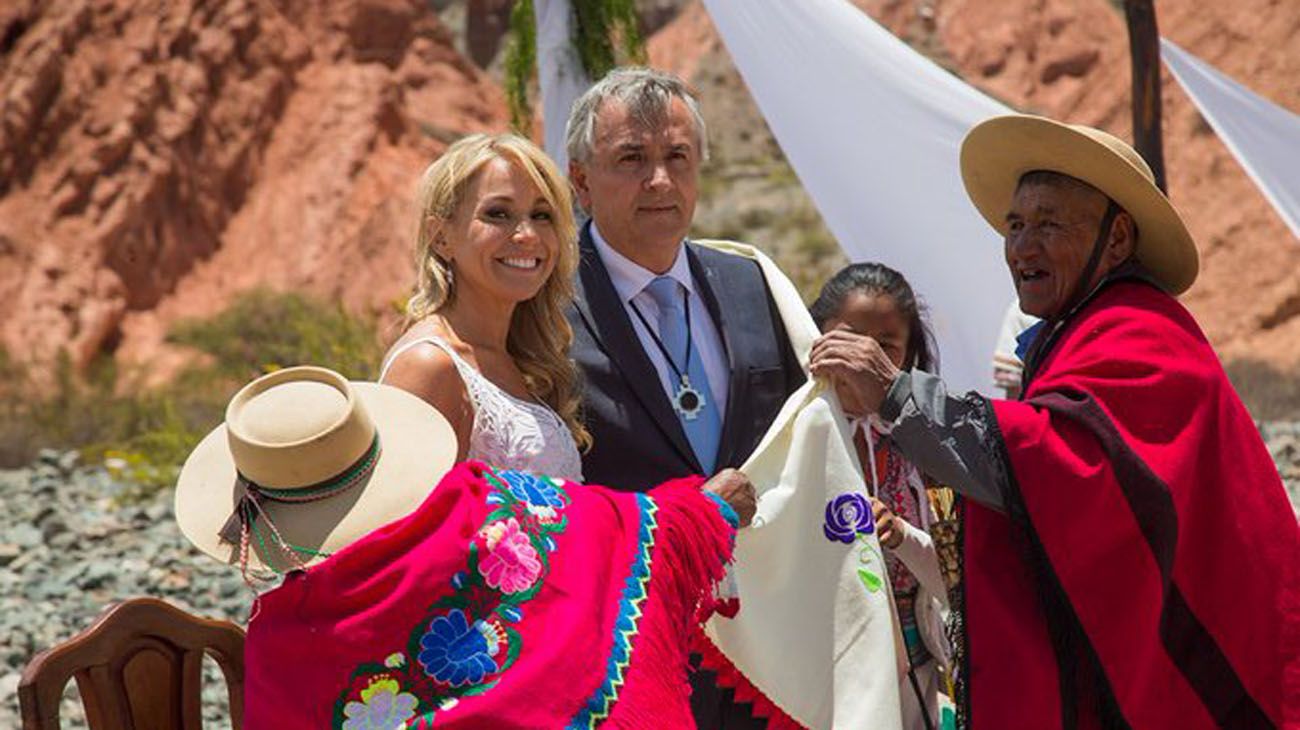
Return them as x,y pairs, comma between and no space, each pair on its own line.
646,93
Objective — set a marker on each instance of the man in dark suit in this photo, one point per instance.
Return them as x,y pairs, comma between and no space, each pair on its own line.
685,359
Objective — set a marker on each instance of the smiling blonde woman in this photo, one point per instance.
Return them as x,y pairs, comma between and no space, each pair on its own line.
487,340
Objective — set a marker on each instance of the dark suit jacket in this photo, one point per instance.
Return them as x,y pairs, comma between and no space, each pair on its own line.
638,441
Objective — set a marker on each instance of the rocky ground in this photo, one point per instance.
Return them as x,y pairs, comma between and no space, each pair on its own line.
67,549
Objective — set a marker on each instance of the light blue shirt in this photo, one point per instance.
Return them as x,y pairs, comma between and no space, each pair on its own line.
630,280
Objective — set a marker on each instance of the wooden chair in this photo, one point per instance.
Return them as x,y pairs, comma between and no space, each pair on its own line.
138,667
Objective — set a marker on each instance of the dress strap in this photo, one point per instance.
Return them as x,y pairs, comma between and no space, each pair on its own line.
471,376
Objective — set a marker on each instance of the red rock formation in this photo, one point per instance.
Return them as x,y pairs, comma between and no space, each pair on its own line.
683,44
159,156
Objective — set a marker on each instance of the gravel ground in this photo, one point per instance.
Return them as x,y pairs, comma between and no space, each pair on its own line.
67,550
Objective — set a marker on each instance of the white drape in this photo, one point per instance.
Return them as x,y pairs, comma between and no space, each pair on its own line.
873,129
560,75
810,635
1264,137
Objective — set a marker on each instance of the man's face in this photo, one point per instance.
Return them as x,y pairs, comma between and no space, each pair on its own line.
641,182
1051,229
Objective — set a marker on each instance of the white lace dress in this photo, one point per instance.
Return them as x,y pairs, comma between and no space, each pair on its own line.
508,432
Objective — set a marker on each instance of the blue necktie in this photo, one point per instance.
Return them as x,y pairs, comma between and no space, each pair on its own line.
705,430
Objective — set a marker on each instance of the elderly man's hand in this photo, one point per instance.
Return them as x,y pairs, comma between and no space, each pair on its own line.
736,490
857,367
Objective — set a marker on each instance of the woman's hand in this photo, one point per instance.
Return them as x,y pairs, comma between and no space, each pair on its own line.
736,490
888,527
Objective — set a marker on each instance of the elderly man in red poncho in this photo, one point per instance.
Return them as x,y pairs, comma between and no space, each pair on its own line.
1129,554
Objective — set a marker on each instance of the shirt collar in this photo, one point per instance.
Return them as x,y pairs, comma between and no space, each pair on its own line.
629,277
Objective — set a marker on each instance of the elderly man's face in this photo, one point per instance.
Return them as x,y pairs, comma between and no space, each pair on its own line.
641,182
1051,229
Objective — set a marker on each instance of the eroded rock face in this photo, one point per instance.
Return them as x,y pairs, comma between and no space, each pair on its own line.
159,156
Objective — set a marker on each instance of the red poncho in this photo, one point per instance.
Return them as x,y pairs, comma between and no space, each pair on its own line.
507,600
1147,574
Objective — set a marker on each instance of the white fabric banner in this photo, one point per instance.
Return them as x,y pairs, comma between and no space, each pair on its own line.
873,130
1264,137
560,75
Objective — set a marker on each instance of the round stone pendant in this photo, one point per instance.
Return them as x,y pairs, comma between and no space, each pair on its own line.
687,401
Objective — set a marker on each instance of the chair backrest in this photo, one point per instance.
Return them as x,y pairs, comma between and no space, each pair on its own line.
138,667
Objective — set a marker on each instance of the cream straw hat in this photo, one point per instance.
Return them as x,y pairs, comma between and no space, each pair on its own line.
305,464
998,151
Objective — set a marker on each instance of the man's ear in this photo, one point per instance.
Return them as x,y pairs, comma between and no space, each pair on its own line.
578,178
1122,243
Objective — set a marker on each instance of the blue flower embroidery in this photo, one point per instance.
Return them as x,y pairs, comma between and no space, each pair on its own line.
456,652
536,492
465,642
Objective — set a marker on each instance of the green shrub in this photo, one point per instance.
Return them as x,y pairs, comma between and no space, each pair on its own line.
265,330
144,434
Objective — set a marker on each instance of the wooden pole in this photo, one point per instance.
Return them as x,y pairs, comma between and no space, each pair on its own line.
1144,54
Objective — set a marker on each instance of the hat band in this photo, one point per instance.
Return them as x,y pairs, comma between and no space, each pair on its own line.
344,481
249,506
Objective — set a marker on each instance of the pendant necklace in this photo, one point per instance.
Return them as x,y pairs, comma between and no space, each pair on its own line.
687,401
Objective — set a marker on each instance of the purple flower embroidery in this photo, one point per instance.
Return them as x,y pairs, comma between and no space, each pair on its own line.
847,516
383,705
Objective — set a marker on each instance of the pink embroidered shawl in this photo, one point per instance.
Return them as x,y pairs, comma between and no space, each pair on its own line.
507,600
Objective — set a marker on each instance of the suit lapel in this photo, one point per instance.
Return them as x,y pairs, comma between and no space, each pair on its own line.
711,279
605,316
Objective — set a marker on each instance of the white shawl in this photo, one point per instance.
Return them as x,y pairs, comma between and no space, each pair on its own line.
810,635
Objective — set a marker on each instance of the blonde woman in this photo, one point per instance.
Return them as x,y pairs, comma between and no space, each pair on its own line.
488,340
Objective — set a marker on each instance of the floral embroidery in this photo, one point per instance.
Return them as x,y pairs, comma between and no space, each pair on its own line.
869,558
542,494
466,639
458,652
848,516
849,519
382,707
511,563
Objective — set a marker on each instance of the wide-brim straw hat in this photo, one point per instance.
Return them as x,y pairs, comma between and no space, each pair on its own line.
999,151
329,460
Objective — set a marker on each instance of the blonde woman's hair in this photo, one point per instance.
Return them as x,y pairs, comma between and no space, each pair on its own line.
539,335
